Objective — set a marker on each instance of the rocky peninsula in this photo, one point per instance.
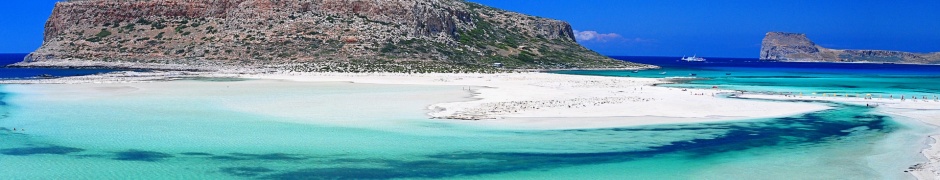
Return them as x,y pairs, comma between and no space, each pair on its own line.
308,36
782,46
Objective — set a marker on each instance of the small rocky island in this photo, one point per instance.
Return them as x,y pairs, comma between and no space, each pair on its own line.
308,36
782,46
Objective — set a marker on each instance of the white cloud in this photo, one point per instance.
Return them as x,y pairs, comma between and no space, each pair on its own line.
594,36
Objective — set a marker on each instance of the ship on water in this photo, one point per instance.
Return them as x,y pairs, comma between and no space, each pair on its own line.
693,59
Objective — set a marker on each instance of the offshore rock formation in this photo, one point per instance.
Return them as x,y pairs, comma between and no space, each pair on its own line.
783,46
308,35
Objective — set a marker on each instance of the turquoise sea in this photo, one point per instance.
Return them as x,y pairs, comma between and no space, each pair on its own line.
239,129
754,75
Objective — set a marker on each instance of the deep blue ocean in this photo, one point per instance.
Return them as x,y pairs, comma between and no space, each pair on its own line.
23,73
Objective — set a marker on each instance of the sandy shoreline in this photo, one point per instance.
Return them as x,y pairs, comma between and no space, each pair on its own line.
925,111
525,100
540,100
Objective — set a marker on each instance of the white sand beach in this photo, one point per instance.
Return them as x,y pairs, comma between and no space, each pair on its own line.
556,101
523,100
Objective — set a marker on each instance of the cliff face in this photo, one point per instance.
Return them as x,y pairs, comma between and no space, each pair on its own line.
304,32
796,47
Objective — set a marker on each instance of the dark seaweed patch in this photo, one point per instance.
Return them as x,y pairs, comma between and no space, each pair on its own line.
270,157
26,151
138,155
246,171
196,154
228,158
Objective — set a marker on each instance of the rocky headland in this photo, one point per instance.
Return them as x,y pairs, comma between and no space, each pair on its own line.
784,46
308,35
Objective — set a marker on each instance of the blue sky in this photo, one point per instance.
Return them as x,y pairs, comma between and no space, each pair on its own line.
721,28
725,28
21,24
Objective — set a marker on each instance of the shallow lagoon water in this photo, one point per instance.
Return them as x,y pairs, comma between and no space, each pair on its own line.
289,130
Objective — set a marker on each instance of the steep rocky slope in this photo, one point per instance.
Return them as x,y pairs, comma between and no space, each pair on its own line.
308,35
797,47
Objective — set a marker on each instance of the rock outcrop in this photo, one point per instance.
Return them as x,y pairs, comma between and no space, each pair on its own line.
783,46
308,35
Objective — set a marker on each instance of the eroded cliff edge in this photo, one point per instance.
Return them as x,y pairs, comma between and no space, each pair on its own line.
308,35
784,46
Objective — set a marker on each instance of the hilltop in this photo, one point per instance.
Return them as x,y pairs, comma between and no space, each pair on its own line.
784,46
308,35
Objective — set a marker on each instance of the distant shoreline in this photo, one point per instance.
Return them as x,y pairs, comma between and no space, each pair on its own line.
854,62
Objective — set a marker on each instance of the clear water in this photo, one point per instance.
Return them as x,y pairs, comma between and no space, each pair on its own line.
808,78
212,129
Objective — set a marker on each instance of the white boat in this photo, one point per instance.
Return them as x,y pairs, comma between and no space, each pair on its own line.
693,59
